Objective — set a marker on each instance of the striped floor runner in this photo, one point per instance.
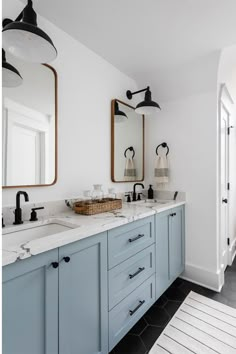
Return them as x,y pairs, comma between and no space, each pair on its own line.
200,326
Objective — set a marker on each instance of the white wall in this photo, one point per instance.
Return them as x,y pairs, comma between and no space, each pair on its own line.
189,125
86,86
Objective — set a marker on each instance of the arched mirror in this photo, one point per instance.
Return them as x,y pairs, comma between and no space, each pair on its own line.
127,143
29,144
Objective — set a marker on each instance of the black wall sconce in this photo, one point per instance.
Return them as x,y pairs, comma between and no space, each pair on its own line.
119,115
10,75
25,40
147,106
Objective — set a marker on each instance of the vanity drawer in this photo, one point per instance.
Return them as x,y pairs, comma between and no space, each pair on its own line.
127,240
123,316
127,276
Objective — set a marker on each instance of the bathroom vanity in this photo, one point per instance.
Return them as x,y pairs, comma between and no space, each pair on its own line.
82,290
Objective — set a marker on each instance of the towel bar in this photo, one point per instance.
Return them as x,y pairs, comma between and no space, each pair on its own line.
164,145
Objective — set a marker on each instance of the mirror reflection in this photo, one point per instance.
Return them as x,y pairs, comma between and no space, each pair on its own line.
29,127
127,143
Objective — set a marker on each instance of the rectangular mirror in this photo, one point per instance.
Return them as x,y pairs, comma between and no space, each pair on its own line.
127,143
29,127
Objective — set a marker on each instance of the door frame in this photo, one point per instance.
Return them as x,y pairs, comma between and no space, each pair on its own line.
224,100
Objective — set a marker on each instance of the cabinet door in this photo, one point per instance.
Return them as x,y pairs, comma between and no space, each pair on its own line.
163,226
30,305
177,242
83,307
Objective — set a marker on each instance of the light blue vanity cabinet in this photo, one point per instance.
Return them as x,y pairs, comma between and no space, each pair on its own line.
170,247
30,305
57,302
83,306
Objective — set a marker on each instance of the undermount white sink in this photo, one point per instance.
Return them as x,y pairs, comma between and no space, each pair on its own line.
152,202
28,232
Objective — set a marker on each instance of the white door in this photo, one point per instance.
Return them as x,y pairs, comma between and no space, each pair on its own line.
224,178
26,147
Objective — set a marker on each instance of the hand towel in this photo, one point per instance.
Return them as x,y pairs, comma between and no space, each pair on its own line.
161,171
130,170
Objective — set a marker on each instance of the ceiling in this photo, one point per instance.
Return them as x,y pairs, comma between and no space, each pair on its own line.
146,39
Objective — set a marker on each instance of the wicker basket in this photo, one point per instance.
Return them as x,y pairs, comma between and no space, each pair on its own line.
96,207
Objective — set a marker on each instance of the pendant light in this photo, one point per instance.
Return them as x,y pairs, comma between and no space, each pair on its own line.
10,75
147,106
120,116
25,40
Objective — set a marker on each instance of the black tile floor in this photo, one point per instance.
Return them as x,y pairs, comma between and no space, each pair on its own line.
143,335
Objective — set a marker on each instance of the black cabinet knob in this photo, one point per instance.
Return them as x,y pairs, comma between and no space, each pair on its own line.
225,201
66,259
55,264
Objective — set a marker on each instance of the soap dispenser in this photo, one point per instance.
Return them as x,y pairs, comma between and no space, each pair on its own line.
150,192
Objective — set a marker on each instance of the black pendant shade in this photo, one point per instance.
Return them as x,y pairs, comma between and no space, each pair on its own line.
119,115
25,40
146,107
10,75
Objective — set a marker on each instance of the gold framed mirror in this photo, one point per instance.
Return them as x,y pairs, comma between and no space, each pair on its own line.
29,127
127,143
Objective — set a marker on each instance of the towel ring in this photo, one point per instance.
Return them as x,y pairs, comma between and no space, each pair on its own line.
164,145
130,149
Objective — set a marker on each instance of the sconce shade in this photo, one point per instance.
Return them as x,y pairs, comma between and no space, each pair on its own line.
10,75
27,41
147,107
119,115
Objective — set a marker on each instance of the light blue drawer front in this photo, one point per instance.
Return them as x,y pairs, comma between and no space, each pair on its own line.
123,317
127,240
127,276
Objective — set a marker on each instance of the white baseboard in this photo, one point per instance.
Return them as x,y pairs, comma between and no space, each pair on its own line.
204,277
232,252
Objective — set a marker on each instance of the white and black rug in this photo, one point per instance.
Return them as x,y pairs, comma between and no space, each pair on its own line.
200,326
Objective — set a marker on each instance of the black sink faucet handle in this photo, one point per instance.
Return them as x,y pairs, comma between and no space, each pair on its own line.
3,225
33,215
128,195
139,195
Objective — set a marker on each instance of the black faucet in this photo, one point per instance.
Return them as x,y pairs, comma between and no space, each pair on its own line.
18,211
134,191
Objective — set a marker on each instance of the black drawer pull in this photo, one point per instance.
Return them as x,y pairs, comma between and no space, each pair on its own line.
136,238
66,259
131,312
173,214
136,273
55,264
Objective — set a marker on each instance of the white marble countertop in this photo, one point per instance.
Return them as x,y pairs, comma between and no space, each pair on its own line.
79,227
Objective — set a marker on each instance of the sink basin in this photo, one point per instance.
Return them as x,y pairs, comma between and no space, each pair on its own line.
151,202
12,239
